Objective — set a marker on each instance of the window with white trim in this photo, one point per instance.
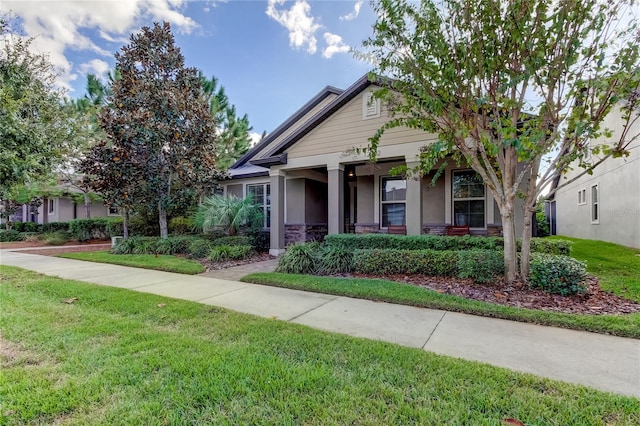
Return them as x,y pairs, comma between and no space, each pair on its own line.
393,201
262,196
582,197
595,204
113,211
51,207
370,106
468,199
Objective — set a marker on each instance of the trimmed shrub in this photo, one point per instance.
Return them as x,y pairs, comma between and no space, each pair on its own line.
557,274
199,248
54,227
558,247
181,225
115,227
260,240
86,229
335,260
542,224
224,252
301,258
235,240
437,242
26,227
140,226
10,235
427,262
480,265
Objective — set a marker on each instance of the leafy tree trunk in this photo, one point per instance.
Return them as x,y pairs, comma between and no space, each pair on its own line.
87,206
529,208
125,224
162,213
510,244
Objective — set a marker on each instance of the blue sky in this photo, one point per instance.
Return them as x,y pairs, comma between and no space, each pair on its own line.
271,56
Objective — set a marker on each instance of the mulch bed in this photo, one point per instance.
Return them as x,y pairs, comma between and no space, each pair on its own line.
210,265
594,301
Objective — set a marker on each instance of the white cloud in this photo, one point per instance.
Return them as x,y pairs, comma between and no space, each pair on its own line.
298,21
255,138
334,45
97,67
59,26
356,11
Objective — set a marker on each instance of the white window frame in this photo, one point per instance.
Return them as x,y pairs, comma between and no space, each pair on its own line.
582,197
370,106
382,202
51,207
266,203
454,199
109,213
595,204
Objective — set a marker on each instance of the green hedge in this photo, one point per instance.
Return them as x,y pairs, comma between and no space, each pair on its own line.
40,228
553,273
99,227
224,252
437,242
180,244
10,236
234,240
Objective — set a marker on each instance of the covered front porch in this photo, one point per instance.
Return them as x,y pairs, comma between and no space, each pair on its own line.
360,197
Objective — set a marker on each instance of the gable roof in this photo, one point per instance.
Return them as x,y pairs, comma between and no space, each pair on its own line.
296,116
277,154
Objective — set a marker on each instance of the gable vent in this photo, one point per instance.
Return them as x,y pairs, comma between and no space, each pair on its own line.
370,106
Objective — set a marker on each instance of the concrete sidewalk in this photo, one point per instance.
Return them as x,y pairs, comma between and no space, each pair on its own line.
604,362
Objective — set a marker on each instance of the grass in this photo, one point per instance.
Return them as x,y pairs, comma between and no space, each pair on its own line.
115,357
406,294
616,266
146,261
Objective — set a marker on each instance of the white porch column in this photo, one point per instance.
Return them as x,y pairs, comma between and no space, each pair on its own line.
335,189
414,202
277,212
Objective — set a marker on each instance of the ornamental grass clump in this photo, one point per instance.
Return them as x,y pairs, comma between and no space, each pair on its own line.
301,258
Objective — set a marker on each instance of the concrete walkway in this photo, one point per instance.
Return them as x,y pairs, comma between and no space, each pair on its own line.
604,362
236,272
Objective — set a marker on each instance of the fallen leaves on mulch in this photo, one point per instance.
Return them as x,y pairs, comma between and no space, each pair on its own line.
594,301
210,265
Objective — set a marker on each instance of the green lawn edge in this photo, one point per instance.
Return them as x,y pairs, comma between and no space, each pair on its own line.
160,262
406,294
116,356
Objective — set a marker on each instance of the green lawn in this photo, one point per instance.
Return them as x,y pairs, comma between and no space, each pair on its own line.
115,357
146,261
617,267
406,294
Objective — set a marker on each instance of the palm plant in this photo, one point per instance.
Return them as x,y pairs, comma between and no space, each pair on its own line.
229,213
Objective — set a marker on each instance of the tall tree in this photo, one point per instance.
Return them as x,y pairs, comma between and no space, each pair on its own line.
159,123
34,124
516,89
233,131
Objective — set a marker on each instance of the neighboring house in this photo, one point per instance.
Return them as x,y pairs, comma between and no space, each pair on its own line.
310,183
61,208
606,204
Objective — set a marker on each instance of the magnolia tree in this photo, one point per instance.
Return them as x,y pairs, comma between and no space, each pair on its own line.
517,90
161,136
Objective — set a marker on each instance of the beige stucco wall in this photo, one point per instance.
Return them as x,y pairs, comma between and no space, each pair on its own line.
346,129
618,180
295,201
63,210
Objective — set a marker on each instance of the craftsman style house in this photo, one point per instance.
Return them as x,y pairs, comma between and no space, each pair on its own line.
310,183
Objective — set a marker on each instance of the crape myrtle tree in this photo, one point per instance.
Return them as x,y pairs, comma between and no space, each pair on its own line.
516,90
158,125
